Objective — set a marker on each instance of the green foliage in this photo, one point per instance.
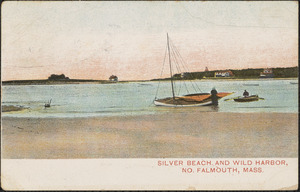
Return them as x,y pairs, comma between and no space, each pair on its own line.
55,77
246,73
288,72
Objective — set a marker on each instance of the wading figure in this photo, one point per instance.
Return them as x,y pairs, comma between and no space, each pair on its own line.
214,97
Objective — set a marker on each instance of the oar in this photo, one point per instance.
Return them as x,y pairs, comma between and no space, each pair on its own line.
262,98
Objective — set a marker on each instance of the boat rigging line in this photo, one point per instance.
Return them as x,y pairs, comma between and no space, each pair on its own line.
170,68
161,72
184,65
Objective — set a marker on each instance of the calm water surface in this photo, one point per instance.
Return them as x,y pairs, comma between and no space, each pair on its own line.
85,100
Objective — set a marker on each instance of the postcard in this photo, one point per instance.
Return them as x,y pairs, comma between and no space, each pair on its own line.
149,95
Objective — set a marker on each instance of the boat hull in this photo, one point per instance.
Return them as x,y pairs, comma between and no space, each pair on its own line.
157,103
251,84
191,100
247,99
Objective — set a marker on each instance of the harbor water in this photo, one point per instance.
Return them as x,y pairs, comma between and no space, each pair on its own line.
136,98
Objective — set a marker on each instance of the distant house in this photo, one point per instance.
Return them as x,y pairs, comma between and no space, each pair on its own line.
267,73
113,78
223,74
55,77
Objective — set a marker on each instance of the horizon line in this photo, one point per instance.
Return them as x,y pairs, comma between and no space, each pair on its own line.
142,79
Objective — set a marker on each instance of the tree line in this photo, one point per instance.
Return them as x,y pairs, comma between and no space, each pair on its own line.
289,72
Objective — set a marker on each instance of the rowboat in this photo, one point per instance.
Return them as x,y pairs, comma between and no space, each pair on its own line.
250,84
247,99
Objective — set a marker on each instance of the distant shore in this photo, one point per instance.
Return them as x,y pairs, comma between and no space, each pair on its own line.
246,79
58,82
88,81
228,79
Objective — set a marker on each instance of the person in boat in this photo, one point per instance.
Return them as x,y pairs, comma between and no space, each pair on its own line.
214,97
246,93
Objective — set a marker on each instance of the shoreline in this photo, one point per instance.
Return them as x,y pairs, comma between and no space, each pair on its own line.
121,116
171,135
239,79
4,83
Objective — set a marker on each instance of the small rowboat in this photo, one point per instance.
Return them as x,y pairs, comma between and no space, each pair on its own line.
250,84
247,99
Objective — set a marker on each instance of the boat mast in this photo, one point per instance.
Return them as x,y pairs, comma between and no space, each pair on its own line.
170,68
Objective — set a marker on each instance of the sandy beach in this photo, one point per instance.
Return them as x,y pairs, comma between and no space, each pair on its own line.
202,134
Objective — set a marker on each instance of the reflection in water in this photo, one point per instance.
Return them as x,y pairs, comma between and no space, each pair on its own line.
215,108
210,108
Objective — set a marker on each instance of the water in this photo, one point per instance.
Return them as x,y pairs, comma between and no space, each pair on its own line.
136,98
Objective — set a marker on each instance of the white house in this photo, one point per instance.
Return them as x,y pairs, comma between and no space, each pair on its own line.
223,74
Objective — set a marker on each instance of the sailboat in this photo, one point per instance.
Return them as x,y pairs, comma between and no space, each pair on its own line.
189,100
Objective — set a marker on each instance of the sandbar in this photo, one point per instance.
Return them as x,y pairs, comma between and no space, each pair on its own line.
169,135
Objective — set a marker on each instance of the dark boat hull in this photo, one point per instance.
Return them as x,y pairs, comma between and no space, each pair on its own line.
191,100
247,99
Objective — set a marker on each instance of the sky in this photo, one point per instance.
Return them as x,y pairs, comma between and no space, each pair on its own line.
93,40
